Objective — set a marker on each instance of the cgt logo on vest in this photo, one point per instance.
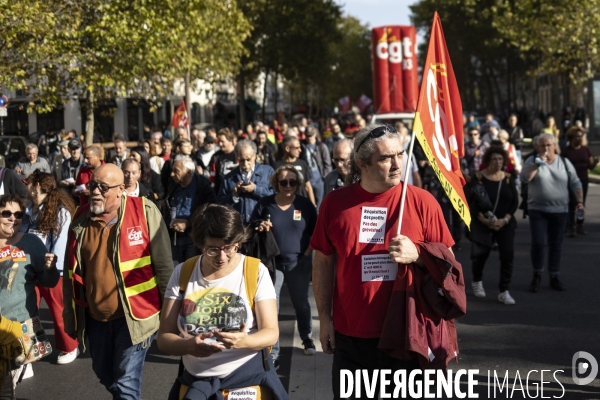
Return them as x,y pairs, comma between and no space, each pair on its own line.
135,235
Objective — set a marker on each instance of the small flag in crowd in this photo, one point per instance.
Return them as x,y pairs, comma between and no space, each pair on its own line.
438,120
345,104
180,118
363,102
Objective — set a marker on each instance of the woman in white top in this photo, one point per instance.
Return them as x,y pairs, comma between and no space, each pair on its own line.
153,150
210,324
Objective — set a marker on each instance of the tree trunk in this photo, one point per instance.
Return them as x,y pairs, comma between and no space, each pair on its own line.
264,101
89,119
275,96
188,104
242,100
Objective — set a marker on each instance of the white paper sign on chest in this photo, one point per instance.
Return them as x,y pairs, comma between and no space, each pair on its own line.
372,225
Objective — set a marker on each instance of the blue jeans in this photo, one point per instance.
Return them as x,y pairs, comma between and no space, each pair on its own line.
298,280
318,189
547,228
116,361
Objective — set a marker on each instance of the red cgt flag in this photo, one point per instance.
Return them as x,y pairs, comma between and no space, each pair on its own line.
438,120
180,118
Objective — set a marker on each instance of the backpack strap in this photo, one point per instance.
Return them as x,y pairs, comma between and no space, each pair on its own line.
186,272
251,267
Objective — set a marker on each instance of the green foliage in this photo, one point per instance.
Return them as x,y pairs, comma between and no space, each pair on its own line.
292,39
351,62
561,34
481,56
105,48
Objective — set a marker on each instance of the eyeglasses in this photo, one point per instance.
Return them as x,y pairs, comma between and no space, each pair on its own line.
295,148
245,159
376,133
340,160
288,182
7,214
93,185
216,251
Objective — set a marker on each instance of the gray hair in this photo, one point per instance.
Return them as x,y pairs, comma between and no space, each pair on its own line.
542,136
245,144
186,162
288,140
365,152
344,142
31,146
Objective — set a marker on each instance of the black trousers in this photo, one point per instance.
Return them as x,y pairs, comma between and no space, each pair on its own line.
352,353
506,249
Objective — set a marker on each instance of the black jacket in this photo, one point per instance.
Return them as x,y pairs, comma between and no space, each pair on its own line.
12,184
155,185
66,172
204,195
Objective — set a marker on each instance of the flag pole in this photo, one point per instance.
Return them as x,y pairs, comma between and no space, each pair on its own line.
405,183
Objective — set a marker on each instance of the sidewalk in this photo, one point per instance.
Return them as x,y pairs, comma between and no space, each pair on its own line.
310,376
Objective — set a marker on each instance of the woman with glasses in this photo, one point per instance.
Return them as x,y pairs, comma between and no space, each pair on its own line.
149,177
493,201
211,322
49,217
292,219
24,261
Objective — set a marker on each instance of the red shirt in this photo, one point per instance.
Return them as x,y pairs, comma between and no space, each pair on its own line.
84,176
350,218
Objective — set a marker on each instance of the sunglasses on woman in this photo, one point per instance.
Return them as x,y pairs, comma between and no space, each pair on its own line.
288,182
7,214
376,133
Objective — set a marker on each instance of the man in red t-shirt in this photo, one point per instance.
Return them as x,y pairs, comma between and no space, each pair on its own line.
356,232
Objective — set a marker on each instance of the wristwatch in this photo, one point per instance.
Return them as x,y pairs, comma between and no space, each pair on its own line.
506,219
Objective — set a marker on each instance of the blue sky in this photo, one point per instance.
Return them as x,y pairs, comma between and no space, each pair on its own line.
378,12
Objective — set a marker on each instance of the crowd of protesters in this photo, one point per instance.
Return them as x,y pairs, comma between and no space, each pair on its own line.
205,195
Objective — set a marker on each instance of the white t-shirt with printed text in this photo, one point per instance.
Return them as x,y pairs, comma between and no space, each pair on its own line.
217,304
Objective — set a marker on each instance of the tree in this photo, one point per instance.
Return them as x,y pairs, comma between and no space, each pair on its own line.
350,70
562,35
290,39
481,57
108,48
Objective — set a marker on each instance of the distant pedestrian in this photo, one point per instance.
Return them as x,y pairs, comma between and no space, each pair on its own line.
549,178
583,160
493,201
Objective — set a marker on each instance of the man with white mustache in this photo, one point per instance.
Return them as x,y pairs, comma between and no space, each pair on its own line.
119,263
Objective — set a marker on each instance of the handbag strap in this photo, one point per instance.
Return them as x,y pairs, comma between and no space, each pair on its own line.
497,196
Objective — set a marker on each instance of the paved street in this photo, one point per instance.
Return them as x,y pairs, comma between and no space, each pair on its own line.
541,332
